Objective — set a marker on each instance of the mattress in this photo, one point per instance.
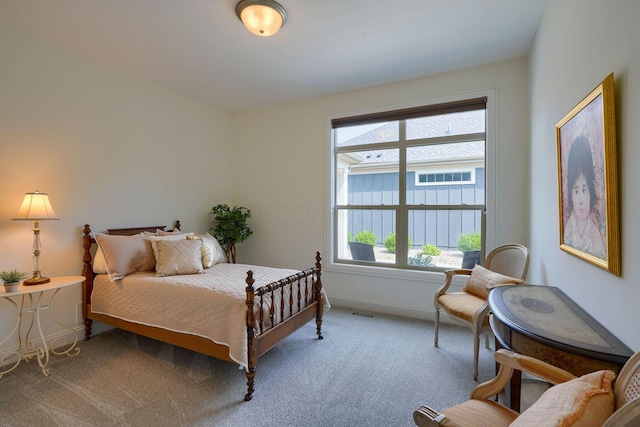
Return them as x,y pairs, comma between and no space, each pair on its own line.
211,305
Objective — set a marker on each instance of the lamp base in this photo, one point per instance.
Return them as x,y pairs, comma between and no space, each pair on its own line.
36,280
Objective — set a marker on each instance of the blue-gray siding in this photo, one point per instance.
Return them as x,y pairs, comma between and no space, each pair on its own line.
440,228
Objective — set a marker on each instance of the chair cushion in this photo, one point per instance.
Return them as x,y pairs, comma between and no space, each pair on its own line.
480,413
581,402
481,278
462,305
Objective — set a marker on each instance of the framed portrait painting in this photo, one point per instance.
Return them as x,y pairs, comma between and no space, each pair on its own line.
588,180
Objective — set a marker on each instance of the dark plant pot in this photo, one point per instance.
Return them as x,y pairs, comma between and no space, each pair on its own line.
470,259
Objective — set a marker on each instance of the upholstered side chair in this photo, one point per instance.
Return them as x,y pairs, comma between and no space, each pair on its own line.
505,265
589,400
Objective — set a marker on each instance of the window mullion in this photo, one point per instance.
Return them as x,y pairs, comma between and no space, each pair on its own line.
402,215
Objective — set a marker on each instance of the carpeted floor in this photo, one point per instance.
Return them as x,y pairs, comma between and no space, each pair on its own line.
368,371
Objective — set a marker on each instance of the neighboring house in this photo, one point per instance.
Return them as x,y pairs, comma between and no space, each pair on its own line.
439,174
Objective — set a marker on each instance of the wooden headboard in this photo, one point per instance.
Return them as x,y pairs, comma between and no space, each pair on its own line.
88,241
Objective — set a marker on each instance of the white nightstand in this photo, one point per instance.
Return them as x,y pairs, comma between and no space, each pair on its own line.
27,349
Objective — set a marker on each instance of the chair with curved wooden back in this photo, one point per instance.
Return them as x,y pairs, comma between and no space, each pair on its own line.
506,264
588,400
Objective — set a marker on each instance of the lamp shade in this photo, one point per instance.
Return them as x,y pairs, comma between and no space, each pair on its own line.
35,207
261,17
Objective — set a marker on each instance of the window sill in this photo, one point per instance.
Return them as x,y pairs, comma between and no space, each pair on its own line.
385,272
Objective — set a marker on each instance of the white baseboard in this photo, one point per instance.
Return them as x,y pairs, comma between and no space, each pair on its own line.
377,307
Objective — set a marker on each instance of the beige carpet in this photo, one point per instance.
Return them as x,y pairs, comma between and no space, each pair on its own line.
368,371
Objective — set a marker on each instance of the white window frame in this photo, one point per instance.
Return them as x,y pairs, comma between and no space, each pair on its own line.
489,235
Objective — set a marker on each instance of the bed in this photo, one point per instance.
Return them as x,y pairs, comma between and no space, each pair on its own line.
233,312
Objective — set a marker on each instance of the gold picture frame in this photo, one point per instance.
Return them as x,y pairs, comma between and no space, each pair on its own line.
588,179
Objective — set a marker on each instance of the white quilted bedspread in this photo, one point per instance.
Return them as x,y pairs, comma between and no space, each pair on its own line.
211,305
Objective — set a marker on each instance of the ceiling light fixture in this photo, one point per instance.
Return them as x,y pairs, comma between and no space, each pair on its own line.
261,17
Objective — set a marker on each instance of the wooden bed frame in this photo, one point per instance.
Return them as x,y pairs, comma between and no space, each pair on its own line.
259,341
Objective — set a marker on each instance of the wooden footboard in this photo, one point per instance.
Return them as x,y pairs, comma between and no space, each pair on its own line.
300,301
261,340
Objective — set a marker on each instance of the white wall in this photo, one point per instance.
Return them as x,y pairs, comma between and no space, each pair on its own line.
283,155
111,150
578,44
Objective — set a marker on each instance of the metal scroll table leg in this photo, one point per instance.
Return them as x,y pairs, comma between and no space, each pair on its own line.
60,342
5,360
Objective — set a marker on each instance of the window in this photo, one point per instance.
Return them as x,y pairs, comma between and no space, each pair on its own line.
444,178
411,184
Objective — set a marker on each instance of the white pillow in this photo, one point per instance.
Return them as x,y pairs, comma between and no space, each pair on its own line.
212,252
125,254
179,257
99,263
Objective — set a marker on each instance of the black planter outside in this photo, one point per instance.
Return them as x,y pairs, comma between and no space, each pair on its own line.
470,259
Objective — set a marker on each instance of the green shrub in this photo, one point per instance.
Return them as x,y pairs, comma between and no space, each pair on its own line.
469,241
366,237
421,260
390,242
431,250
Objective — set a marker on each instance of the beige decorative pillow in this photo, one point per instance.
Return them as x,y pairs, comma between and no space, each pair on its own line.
581,402
481,278
154,240
125,254
179,257
212,252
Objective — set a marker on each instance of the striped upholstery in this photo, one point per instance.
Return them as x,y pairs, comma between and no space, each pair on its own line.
463,305
480,413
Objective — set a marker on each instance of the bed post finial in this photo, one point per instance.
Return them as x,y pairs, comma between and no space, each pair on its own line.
251,335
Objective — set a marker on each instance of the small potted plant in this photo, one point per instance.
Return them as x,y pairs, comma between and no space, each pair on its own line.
230,227
11,279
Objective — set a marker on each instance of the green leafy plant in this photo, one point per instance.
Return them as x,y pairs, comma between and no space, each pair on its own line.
469,241
431,250
390,242
421,260
366,237
230,227
13,276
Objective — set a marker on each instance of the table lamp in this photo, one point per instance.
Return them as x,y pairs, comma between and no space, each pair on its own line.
35,207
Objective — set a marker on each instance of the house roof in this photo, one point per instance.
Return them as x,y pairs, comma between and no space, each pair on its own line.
427,127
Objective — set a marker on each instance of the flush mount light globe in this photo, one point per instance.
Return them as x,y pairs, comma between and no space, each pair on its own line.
261,17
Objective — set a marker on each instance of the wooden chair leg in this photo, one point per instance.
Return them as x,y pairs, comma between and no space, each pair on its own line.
476,351
435,336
